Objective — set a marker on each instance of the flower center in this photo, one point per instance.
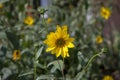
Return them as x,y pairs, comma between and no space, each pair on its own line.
60,42
105,13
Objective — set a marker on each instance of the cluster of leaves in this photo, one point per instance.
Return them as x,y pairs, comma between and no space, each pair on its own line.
84,23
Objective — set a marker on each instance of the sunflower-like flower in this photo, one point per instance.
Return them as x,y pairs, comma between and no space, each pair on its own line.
107,77
59,41
29,20
105,12
16,55
99,39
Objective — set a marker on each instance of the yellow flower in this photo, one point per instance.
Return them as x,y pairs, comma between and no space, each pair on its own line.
16,55
1,5
49,20
29,20
99,39
59,41
107,77
105,12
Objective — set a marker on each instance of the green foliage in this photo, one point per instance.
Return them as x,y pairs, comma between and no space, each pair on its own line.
86,61
58,64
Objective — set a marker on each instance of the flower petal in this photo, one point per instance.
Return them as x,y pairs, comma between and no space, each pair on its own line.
70,45
58,52
64,52
50,48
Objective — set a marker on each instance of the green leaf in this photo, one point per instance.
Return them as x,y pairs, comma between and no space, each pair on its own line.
86,4
79,75
3,35
41,10
24,74
3,1
57,65
13,38
46,77
39,53
81,60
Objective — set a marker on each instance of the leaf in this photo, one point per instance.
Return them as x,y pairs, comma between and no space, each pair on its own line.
3,1
40,66
4,51
81,58
6,72
24,74
57,64
3,35
79,75
13,38
46,77
86,4
39,53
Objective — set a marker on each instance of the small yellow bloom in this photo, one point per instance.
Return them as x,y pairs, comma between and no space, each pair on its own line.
107,77
1,5
99,39
49,20
59,41
16,55
105,12
29,20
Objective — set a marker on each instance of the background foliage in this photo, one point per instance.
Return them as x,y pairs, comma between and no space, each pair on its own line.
84,24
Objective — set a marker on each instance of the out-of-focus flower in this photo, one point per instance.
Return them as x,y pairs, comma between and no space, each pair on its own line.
29,20
1,5
107,77
99,39
16,55
59,41
105,12
49,20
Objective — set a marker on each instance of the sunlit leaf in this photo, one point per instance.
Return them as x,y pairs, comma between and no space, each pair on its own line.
46,77
39,53
25,74
56,65
3,1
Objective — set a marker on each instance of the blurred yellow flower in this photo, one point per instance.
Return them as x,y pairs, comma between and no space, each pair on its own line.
107,77
1,5
16,55
59,41
105,12
49,20
99,39
29,20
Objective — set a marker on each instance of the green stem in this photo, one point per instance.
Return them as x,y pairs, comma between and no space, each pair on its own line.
46,28
91,59
34,70
35,62
80,74
44,20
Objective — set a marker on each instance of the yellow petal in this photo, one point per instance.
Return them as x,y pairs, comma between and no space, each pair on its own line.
49,49
58,52
65,52
64,27
71,39
70,45
68,55
58,28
